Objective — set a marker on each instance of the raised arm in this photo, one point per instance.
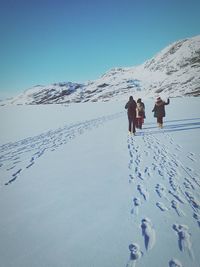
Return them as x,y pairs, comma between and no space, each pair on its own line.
167,103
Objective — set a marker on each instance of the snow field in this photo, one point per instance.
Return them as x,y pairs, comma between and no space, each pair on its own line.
86,193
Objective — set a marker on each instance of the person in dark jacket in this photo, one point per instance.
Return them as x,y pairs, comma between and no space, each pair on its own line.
159,110
131,112
140,113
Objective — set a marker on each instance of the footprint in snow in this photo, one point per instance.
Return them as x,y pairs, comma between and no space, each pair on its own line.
16,162
131,178
131,154
188,184
189,169
160,172
175,205
149,233
155,166
193,201
143,192
28,166
138,173
177,148
130,164
147,171
161,190
135,254
15,175
177,196
137,203
184,242
173,184
173,171
197,217
195,180
191,158
175,263
11,168
161,206
17,172
137,161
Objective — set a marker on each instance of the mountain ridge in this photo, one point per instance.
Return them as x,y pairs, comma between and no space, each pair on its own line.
174,71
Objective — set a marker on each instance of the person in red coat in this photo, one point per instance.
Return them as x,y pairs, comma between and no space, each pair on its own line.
159,110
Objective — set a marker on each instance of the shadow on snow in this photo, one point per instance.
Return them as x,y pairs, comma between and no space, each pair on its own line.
174,127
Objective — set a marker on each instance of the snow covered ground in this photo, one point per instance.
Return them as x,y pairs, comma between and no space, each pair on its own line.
77,190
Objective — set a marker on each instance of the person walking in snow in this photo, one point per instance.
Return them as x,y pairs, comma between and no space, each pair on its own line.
159,110
131,112
140,113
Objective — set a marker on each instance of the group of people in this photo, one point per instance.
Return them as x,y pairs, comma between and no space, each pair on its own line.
136,113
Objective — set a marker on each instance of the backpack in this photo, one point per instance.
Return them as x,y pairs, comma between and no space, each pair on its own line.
140,108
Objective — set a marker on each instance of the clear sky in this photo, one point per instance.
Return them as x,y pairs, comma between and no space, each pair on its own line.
47,41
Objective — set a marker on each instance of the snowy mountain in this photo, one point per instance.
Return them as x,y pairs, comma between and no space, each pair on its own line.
175,71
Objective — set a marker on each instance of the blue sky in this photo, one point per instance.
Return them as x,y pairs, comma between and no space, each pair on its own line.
50,41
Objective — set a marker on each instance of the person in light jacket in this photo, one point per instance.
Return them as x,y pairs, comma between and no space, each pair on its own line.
159,110
140,113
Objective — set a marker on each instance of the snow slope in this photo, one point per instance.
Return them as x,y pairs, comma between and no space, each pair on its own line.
80,191
174,71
